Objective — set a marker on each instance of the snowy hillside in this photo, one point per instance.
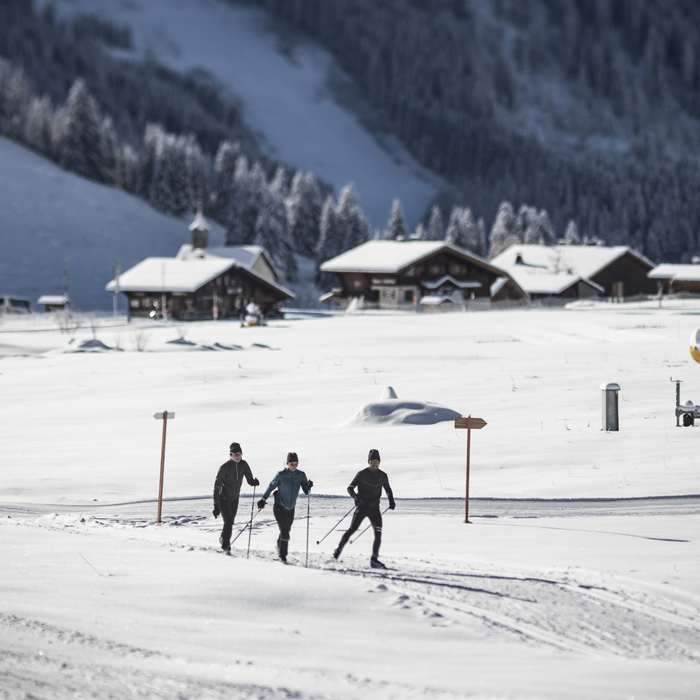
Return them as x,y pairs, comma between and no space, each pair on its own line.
286,95
48,215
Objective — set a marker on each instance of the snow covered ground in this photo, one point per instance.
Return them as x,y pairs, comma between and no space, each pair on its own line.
577,578
286,94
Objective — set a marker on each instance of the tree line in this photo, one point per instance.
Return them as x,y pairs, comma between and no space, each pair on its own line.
589,109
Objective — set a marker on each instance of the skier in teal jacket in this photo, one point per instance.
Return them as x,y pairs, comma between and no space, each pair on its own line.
287,484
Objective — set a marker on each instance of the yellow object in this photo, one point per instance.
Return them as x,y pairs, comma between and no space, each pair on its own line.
695,345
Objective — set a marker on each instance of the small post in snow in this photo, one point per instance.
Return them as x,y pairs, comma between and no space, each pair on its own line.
164,417
470,424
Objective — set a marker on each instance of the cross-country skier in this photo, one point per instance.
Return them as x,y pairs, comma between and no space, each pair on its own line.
369,483
287,482
227,488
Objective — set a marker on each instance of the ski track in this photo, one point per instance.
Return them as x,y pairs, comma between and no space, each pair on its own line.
568,613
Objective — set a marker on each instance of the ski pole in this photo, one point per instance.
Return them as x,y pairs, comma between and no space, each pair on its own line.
335,526
367,528
250,530
308,515
243,529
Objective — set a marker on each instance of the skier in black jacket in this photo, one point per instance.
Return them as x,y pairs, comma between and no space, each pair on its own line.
369,483
227,488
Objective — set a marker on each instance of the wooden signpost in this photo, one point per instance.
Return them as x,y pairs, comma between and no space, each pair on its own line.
164,417
469,424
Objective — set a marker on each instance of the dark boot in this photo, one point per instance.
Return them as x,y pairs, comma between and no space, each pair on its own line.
375,563
336,552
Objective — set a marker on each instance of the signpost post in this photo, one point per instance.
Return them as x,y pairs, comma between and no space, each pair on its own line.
164,417
470,424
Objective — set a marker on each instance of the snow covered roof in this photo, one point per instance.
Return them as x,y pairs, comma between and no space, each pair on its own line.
53,299
541,269
682,273
469,284
171,274
582,260
392,256
544,283
191,269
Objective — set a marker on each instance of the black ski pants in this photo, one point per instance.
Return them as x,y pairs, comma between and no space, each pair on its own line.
375,517
228,515
284,519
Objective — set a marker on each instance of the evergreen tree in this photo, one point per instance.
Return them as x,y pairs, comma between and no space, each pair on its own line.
330,244
272,233
224,178
396,228
152,146
127,169
351,222
481,238
436,230
456,233
236,203
38,131
80,145
571,236
171,192
196,172
304,213
110,149
502,234
15,96
278,184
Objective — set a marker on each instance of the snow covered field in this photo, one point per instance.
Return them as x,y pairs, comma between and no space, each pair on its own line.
286,94
578,577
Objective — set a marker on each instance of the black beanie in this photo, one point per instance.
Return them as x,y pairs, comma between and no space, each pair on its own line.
235,447
292,457
374,454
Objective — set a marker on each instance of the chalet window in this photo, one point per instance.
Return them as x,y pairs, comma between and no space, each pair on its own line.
357,284
226,280
134,303
411,272
408,296
456,269
434,269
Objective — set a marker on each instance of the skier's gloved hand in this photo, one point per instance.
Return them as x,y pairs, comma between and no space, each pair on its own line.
309,484
262,503
256,482
392,504
216,511
358,500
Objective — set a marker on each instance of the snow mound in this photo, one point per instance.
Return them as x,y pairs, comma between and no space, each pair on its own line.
92,345
393,411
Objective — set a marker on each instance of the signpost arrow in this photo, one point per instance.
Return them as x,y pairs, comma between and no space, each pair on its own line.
164,417
469,424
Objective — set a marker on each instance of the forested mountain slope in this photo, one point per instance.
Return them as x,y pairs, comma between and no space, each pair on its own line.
587,108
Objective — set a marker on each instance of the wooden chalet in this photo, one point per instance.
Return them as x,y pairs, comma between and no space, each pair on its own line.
577,271
675,279
203,283
399,274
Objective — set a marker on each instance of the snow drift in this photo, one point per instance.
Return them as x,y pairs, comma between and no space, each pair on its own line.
391,410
